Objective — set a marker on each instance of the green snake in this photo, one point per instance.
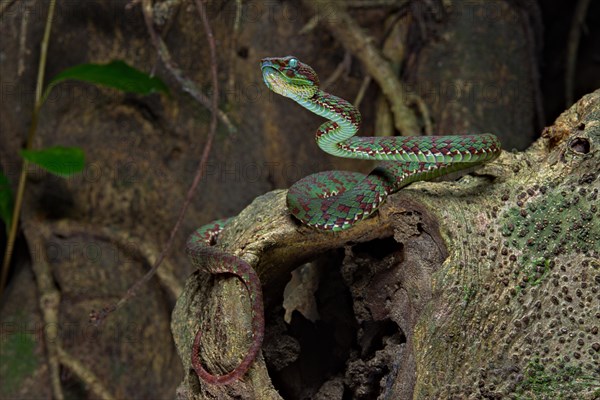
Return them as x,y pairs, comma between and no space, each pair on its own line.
334,200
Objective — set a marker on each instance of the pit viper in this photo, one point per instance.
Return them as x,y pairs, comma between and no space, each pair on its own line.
333,200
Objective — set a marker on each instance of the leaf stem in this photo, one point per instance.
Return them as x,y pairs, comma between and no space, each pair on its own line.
10,244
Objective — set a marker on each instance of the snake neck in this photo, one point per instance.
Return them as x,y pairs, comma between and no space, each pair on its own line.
336,137
344,121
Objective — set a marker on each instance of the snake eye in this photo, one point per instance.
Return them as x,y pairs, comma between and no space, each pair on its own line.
293,63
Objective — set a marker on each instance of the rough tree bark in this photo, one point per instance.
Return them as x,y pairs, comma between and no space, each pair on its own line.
491,283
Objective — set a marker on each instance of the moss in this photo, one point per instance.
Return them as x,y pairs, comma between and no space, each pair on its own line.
17,361
469,293
534,272
539,383
552,223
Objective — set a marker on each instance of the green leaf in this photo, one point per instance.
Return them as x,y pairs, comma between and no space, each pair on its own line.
6,201
116,74
61,161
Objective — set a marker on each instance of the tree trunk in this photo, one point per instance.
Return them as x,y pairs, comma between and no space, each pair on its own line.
483,287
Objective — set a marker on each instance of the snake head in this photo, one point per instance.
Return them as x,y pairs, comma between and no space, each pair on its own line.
289,77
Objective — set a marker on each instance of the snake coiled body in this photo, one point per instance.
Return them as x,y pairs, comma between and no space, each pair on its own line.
336,200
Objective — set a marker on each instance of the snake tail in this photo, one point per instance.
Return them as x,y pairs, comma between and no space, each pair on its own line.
204,256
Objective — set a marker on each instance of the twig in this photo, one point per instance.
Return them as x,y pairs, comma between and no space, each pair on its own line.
233,48
92,382
315,19
424,110
572,47
133,246
98,317
345,30
4,5
342,67
362,90
213,69
375,3
10,243
48,298
186,84
311,24
384,122
23,42
164,14
393,45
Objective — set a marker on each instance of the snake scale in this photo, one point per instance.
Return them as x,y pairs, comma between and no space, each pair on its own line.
333,200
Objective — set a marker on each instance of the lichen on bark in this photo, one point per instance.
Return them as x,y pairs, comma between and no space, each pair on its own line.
518,297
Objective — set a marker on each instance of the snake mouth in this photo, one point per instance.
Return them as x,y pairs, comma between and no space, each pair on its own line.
269,71
273,79
268,67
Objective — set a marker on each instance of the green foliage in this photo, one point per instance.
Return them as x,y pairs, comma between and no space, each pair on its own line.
469,293
17,361
66,161
116,74
61,161
6,201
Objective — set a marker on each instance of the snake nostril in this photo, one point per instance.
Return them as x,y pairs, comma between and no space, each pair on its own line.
580,145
